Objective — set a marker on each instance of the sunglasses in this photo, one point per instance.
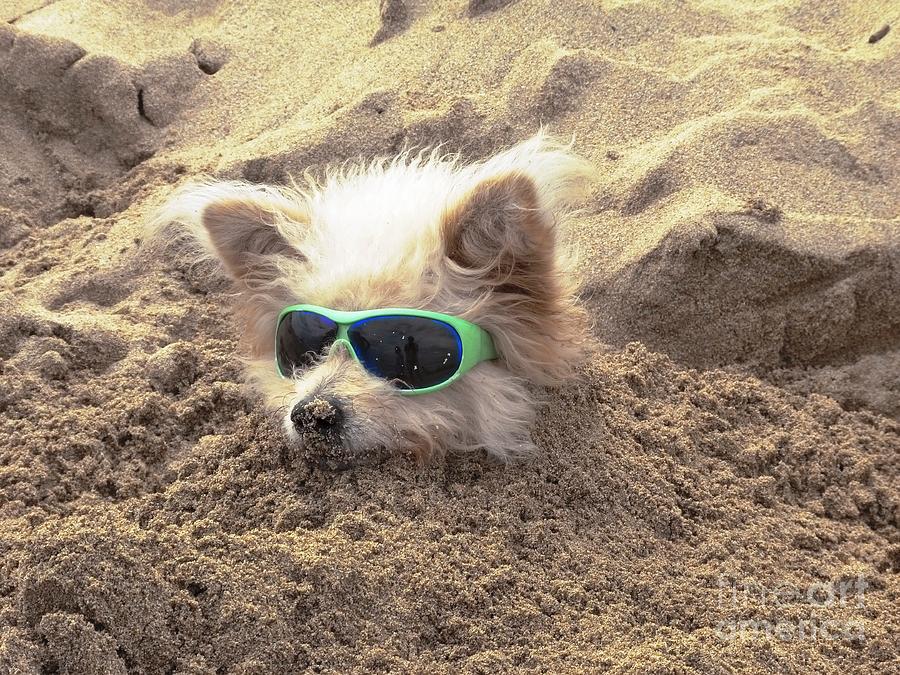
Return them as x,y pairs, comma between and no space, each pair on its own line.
417,351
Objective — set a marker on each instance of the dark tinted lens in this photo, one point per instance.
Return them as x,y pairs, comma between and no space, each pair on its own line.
302,336
416,351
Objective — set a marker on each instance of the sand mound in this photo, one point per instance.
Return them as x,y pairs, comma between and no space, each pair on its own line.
672,491
73,122
741,288
723,494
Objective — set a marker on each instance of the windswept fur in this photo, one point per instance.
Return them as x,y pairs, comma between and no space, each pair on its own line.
418,230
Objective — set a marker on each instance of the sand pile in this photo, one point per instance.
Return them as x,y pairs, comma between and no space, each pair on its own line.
724,494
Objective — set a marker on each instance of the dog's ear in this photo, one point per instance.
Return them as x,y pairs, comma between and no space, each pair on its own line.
245,232
499,236
502,229
501,252
255,232
246,227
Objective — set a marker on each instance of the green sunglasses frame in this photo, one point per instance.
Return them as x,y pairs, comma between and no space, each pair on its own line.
477,345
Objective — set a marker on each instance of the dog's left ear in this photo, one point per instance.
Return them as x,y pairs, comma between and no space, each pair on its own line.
503,229
501,250
501,238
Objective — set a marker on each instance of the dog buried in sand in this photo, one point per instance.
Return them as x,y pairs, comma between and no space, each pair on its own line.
407,305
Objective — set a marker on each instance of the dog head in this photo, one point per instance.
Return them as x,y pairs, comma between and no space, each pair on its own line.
418,231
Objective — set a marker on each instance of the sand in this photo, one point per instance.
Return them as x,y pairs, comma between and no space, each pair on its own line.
717,492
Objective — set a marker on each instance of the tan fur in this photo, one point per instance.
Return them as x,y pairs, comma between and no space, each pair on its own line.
477,241
501,246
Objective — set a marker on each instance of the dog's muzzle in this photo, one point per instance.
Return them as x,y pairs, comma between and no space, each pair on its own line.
318,414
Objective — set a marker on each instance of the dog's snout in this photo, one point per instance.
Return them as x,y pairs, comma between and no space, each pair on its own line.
318,413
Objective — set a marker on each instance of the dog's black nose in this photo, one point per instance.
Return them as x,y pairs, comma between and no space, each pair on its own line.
318,413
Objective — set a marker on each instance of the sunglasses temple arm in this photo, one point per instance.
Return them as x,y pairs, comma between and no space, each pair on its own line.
488,350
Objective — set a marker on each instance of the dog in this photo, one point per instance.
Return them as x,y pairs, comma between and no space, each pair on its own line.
423,231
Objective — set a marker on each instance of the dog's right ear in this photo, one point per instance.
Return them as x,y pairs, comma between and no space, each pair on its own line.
246,227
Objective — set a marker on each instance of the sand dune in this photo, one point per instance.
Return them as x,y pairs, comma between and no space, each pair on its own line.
728,460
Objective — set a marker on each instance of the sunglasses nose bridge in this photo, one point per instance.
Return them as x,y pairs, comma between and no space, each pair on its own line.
340,343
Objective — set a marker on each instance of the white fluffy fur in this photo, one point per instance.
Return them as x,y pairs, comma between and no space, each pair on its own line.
374,235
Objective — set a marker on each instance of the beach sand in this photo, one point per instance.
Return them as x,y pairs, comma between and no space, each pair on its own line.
717,492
